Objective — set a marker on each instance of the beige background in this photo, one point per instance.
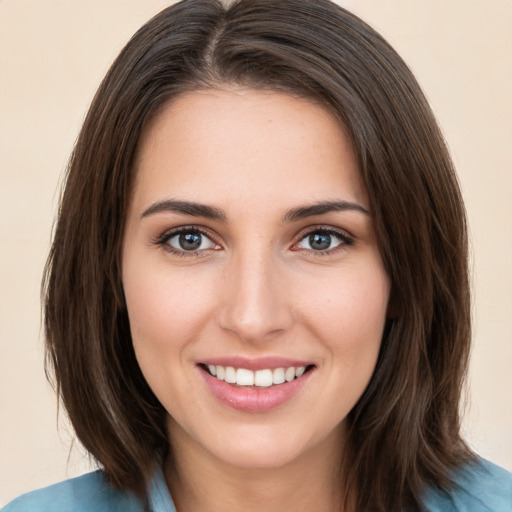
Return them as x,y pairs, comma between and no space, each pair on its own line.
53,53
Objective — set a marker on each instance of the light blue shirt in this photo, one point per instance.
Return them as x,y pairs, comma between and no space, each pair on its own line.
482,487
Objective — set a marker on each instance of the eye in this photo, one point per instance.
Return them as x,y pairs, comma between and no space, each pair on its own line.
323,240
189,240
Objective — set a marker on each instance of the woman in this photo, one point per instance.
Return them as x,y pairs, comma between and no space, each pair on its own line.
257,294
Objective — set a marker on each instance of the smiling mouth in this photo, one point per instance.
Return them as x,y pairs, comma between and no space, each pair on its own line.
258,379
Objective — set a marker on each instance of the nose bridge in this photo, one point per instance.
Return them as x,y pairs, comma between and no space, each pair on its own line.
254,304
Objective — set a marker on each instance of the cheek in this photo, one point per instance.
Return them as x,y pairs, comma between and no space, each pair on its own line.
347,312
166,308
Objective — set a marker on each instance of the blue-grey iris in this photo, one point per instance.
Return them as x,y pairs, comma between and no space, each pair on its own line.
320,241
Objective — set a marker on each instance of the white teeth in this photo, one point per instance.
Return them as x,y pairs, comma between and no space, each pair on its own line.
259,378
289,374
263,378
230,375
300,371
278,376
244,377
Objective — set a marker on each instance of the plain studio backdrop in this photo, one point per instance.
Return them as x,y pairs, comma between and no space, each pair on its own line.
53,54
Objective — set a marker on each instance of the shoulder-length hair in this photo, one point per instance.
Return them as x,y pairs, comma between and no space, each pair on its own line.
404,431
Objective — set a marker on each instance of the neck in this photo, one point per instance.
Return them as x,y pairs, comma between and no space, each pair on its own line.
200,481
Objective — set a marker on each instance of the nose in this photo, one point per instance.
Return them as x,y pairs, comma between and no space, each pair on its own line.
255,305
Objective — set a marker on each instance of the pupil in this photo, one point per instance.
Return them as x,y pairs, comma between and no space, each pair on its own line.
190,241
320,241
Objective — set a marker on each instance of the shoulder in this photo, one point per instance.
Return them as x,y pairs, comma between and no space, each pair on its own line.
87,493
480,487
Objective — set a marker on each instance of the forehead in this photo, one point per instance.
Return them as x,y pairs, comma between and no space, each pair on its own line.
214,144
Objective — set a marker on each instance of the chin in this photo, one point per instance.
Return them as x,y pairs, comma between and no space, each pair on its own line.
270,456
268,448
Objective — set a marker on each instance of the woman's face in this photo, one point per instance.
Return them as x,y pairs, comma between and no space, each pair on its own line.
250,253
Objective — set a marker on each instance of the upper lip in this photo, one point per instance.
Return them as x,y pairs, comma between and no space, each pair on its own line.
259,363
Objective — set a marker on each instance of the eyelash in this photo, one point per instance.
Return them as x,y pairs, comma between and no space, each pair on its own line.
346,240
343,236
167,235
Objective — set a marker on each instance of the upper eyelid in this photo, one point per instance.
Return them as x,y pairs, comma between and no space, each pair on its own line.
169,233
326,228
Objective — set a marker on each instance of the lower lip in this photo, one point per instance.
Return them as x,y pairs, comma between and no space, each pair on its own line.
254,400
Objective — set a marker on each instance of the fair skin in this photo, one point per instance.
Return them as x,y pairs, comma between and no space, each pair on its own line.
258,281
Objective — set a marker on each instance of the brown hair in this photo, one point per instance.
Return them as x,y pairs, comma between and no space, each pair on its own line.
404,431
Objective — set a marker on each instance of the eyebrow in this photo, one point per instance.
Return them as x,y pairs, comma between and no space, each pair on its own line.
186,208
322,208
215,213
